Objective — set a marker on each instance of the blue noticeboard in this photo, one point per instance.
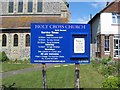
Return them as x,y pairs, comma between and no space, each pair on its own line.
60,43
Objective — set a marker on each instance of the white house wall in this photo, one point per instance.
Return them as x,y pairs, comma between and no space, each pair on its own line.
107,27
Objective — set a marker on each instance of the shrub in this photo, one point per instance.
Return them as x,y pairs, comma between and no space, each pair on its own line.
112,62
106,67
117,66
110,58
19,61
111,82
107,70
3,56
26,60
105,60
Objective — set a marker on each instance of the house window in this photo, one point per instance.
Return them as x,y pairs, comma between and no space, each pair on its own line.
116,19
30,5
15,40
116,45
4,40
107,43
11,6
20,6
39,6
27,40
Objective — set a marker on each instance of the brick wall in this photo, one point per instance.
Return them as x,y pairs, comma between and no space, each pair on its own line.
102,45
104,54
111,44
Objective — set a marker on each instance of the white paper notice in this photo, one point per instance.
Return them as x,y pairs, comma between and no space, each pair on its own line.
79,45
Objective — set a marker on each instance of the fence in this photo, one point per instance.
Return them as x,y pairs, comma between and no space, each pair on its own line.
93,49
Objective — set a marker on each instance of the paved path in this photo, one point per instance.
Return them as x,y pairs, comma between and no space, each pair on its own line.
11,73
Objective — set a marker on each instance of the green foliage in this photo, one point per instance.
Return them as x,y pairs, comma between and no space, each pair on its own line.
107,66
107,70
20,61
26,61
111,82
3,56
106,60
110,58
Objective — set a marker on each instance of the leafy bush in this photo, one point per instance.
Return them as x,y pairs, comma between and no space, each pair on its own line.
20,61
106,66
111,63
10,61
110,58
107,70
3,56
26,60
105,60
111,82
117,66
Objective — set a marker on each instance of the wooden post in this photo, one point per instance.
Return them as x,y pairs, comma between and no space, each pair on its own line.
77,80
44,76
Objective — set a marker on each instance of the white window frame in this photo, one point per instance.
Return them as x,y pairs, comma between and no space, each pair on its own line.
116,18
116,37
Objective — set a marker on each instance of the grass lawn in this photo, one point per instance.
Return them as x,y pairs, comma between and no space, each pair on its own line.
57,77
10,66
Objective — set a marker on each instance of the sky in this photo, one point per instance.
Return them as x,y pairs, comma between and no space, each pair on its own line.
80,11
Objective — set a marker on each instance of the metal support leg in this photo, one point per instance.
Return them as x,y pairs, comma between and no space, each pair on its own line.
44,76
77,80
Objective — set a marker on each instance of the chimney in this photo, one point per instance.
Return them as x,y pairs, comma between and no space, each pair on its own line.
107,3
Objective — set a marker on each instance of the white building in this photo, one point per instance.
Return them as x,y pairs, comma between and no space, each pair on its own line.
105,31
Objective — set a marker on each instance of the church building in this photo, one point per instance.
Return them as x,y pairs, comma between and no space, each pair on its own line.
17,16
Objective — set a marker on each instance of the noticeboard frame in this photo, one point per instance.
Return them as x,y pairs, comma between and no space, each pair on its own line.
69,35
